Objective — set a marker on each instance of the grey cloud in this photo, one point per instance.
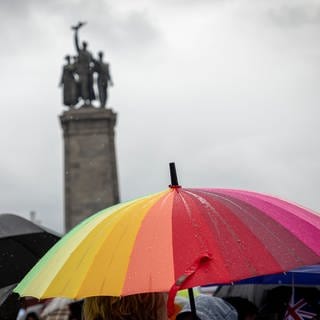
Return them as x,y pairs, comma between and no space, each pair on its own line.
15,8
234,110
192,3
295,14
23,191
132,29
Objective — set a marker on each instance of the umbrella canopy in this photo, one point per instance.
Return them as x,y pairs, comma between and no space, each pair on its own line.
178,238
308,275
22,244
304,276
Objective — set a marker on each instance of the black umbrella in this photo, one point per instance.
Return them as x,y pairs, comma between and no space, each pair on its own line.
22,244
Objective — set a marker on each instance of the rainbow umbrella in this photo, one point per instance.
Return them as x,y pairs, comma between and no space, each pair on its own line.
176,239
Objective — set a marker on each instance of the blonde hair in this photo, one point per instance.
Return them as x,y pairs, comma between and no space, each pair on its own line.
144,306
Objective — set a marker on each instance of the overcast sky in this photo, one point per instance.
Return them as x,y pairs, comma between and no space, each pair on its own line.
229,90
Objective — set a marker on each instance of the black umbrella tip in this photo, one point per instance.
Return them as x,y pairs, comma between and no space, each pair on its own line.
173,176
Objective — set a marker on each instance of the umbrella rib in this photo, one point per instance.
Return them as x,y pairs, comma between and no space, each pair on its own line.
62,244
218,215
271,203
291,249
89,248
120,240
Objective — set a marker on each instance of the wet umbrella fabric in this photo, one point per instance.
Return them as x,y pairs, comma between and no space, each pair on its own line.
175,239
22,244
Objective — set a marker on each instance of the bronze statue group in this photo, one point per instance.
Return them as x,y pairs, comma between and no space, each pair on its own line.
78,76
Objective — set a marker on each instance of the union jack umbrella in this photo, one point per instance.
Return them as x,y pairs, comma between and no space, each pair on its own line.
299,309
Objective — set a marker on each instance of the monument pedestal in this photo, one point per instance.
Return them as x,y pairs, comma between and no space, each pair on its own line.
90,176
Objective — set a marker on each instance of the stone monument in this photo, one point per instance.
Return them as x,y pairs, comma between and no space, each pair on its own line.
90,169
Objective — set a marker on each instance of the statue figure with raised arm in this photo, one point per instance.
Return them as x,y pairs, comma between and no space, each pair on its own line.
104,78
84,67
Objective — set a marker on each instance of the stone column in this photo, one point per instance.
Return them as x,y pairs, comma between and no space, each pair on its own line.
90,170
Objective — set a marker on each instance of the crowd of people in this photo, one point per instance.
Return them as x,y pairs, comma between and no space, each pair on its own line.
278,304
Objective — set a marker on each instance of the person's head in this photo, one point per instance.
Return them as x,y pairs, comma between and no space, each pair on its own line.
67,58
246,309
84,45
32,316
209,308
100,55
145,306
